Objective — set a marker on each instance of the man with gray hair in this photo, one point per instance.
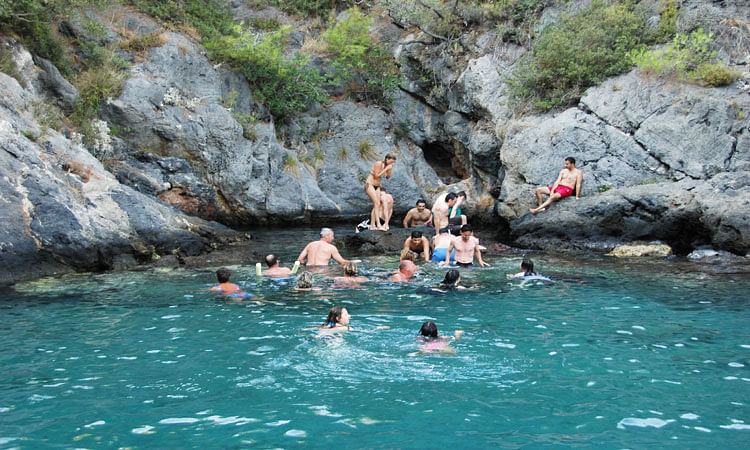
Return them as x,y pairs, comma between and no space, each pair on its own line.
319,253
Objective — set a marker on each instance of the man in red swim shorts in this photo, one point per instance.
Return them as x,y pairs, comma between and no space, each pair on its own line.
567,183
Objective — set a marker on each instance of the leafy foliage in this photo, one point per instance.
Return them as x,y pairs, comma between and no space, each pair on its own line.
360,61
209,17
286,85
687,57
579,52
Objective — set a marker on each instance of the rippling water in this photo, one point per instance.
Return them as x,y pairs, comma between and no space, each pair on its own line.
609,356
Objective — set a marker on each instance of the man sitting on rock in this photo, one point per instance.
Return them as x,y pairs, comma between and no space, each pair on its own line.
418,215
567,183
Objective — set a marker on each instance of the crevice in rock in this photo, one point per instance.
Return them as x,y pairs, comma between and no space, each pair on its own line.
444,162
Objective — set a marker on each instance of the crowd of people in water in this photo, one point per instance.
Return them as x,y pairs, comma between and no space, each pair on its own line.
452,245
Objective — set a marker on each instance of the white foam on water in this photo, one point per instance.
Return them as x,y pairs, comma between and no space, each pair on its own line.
4,409
296,433
145,429
590,383
690,416
322,410
730,378
254,353
679,345
659,346
203,413
624,332
188,296
264,348
654,380
176,396
149,328
102,357
652,422
709,361
231,420
658,413
744,345
705,430
168,362
571,345
608,358
73,358
98,423
611,307
468,319
735,426
267,322
504,345
633,361
153,351
278,423
36,398
171,316
638,327
735,364
348,422
178,420
82,387
7,440
737,421
419,318
542,327
127,358
531,319
52,385
552,353
704,302
175,330
368,421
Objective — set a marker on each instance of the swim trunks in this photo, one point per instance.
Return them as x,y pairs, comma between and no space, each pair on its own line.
438,255
564,191
460,264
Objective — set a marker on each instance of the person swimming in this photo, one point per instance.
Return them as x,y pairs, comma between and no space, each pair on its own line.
351,277
527,269
337,320
304,282
450,282
225,287
432,342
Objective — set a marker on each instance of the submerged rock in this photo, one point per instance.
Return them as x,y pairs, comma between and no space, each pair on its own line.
641,250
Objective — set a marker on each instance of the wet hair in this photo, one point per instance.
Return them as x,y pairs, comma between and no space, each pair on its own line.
407,264
450,196
305,280
527,266
571,160
350,269
421,200
416,234
223,275
334,316
451,278
454,230
407,255
461,194
271,260
325,232
429,330
388,156
466,227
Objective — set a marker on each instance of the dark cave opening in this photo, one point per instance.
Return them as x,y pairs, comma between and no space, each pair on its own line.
443,160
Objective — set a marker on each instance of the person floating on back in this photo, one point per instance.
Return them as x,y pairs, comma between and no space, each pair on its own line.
568,182
432,342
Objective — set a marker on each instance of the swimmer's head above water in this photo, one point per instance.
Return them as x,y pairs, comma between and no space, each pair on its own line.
223,274
305,280
429,330
452,277
350,269
338,315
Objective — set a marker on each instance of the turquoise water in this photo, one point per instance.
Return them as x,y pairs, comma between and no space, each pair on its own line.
611,356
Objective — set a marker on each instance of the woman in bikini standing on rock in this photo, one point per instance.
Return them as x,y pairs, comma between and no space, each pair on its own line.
372,186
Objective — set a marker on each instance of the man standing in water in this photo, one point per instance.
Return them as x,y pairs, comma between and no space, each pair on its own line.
418,215
467,247
568,182
274,268
319,253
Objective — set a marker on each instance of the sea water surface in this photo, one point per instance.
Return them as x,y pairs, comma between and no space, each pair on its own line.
609,356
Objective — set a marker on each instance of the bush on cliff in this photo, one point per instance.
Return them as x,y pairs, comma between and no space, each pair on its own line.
286,85
687,57
579,52
358,60
209,17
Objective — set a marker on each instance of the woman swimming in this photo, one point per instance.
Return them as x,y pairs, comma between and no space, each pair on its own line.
428,334
372,186
450,282
337,320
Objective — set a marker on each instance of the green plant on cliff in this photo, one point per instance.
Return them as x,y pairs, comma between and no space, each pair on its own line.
668,14
688,57
358,60
579,52
209,17
286,85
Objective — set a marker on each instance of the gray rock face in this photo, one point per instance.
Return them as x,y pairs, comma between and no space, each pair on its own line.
51,81
63,211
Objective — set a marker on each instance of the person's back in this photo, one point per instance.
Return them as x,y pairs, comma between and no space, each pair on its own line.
274,268
319,253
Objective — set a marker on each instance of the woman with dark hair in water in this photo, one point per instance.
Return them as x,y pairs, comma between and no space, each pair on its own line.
380,169
428,334
450,282
337,320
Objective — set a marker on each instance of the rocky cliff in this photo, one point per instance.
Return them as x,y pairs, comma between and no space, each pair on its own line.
185,142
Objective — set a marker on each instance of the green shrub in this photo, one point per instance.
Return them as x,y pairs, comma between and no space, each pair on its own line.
139,44
95,85
687,57
579,52
286,86
668,14
248,122
366,150
367,67
209,17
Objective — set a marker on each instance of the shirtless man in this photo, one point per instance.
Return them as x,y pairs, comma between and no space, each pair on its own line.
418,244
406,270
467,247
440,245
274,269
418,216
440,211
319,253
567,182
